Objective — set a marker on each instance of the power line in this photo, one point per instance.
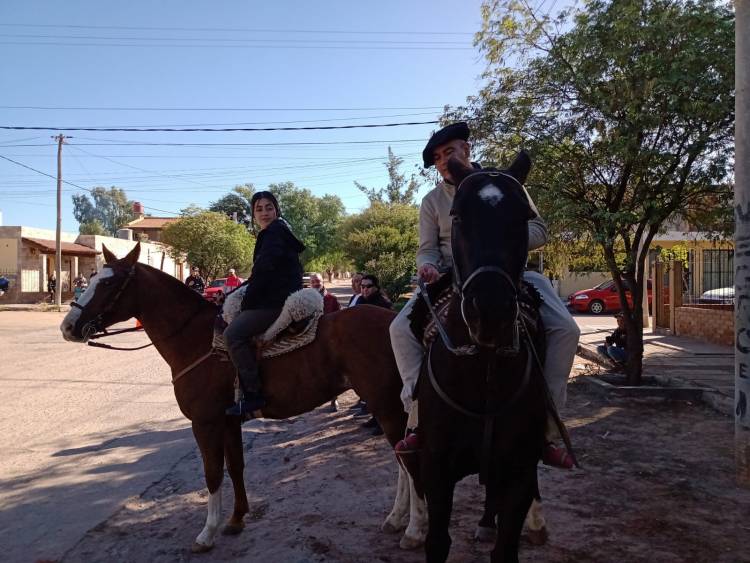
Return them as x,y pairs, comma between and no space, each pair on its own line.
228,129
70,183
104,108
273,42
210,46
241,30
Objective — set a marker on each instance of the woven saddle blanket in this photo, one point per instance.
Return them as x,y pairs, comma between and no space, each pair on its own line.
295,327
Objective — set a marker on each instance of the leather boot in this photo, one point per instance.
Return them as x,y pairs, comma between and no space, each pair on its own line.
252,399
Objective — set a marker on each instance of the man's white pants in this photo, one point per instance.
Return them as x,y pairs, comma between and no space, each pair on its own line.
561,332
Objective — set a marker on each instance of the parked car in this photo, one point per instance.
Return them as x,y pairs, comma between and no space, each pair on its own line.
601,299
718,296
214,287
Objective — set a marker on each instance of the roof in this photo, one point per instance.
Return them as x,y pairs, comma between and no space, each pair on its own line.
151,222
70,248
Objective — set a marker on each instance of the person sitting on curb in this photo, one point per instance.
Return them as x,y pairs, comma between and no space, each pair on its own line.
614,348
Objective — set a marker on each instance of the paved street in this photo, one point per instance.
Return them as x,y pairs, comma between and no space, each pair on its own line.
84,430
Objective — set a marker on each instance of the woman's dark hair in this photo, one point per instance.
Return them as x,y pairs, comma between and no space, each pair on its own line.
264,195
373,278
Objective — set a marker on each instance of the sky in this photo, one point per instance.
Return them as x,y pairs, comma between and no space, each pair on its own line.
185,63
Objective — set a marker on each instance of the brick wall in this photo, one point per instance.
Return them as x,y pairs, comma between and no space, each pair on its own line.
712,323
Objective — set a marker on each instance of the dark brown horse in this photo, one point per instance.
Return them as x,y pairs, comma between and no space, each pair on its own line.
481,394
180,322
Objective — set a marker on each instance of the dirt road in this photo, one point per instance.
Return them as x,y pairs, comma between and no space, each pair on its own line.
98,466
657,486
84,429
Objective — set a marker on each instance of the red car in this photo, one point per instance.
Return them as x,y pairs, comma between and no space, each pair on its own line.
601,299
216,286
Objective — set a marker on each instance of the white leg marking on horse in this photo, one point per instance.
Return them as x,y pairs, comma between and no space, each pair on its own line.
535,517
416,532
69,322
491,194
398,519
207,535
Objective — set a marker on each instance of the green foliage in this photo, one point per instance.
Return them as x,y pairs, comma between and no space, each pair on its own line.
383,240
110,208
93,227
236,204
336,261
399,189
314,220
211,241
678,253
627,108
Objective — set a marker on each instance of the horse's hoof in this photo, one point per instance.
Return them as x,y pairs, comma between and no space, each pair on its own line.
201,548
537,537
233,529
485,535
408,542
390,528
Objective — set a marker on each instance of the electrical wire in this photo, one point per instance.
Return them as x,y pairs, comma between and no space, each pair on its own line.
229,129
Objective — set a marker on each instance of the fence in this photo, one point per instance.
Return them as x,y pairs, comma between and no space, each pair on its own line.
697,301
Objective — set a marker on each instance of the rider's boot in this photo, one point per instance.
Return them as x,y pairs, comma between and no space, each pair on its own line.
252,398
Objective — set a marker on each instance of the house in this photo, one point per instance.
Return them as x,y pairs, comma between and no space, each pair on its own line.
145,228
27,258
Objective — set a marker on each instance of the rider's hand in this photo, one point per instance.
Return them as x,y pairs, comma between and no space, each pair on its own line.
428,273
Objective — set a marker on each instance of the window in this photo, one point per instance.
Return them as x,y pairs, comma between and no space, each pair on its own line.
718,269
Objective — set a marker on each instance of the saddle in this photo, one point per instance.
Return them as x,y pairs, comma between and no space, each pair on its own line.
295,327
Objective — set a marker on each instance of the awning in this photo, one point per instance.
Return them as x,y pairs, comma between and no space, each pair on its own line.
68,248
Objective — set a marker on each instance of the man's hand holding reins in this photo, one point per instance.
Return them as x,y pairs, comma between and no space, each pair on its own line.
428,273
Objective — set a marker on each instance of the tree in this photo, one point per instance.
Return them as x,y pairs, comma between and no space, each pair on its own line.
398,190
211,241
383,240
110,208
93,227
628,110
314,220
236,204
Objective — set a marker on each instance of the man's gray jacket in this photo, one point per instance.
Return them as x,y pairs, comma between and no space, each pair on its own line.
435,227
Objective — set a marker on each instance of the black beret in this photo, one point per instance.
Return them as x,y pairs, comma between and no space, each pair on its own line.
458,130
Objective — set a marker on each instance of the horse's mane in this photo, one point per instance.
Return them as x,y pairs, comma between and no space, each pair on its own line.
420,314
175,285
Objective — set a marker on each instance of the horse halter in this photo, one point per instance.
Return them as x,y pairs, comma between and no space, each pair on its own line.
459,286
93,328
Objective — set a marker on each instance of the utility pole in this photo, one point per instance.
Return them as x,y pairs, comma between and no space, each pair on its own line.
58,233
742,242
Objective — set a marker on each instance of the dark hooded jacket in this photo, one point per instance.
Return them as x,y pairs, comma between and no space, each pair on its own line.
277,271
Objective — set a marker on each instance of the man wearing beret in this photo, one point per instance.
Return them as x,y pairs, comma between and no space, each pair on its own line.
434,253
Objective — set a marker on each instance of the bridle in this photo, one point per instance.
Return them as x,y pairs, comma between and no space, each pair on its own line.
94,329
460,286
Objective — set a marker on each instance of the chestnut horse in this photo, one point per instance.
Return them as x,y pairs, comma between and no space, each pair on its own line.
481,392
180,323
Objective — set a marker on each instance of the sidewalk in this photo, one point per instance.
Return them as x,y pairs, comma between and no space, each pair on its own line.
678,361
39,307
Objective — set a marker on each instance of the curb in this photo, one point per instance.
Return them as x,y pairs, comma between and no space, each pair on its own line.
671,387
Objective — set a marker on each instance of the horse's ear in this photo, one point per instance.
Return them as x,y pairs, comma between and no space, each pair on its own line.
109,257
133,255
520,167
458,171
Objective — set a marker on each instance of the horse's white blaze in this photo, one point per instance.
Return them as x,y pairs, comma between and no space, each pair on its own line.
69,322
208,533
399,516
416,532
535,517
491,194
